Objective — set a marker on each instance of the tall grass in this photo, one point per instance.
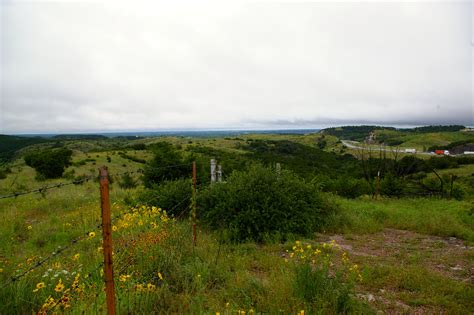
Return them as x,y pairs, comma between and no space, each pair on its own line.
430,216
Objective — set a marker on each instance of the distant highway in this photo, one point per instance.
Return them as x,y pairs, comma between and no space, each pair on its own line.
357,145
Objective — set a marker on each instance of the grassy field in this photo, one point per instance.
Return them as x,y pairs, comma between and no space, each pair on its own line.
422,141
413,255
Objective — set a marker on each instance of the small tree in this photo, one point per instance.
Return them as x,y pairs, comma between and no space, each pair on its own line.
167,164
49,163
127,182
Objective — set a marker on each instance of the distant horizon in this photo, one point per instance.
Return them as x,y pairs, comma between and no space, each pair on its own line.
231,130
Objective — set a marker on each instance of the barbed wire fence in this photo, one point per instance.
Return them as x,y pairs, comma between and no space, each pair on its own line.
106,226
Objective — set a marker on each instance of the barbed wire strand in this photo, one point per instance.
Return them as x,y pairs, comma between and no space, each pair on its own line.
44,260
82,180
75,241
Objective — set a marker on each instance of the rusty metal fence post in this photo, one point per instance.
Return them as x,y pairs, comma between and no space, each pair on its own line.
107,240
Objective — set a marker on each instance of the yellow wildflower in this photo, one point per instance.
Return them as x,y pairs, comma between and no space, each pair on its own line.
114,228
76,257
30,227
59,287
124,278
150,287
50,301
91,234
160,276
75,283
39,286
301,312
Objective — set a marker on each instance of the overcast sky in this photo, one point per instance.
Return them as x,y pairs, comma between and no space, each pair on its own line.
75,66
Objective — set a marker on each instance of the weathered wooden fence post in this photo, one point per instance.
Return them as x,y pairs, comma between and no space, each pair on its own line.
107,240
213,171
219,173
194,204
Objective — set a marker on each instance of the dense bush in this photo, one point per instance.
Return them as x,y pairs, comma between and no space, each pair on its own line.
357,133
436,128
138,146
167,164
172,196
346,186
10,145
127,182
392,186
132,158
4,172
304,160
259,203
49,163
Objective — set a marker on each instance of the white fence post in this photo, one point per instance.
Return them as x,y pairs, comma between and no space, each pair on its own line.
213,171
219,173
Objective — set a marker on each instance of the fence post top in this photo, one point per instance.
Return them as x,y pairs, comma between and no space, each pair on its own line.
103,172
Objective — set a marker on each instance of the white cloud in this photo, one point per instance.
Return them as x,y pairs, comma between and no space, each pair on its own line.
79,66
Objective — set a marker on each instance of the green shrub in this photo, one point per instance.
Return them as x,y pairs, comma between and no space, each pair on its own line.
167,164
127,182
257,204
173,196
457,193
49,163
138,146
132,158
4,172
69,174
391,186
347,186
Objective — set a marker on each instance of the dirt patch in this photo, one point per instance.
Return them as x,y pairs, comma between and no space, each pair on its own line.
448,257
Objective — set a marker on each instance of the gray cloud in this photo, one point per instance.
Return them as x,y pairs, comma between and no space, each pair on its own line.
88,66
